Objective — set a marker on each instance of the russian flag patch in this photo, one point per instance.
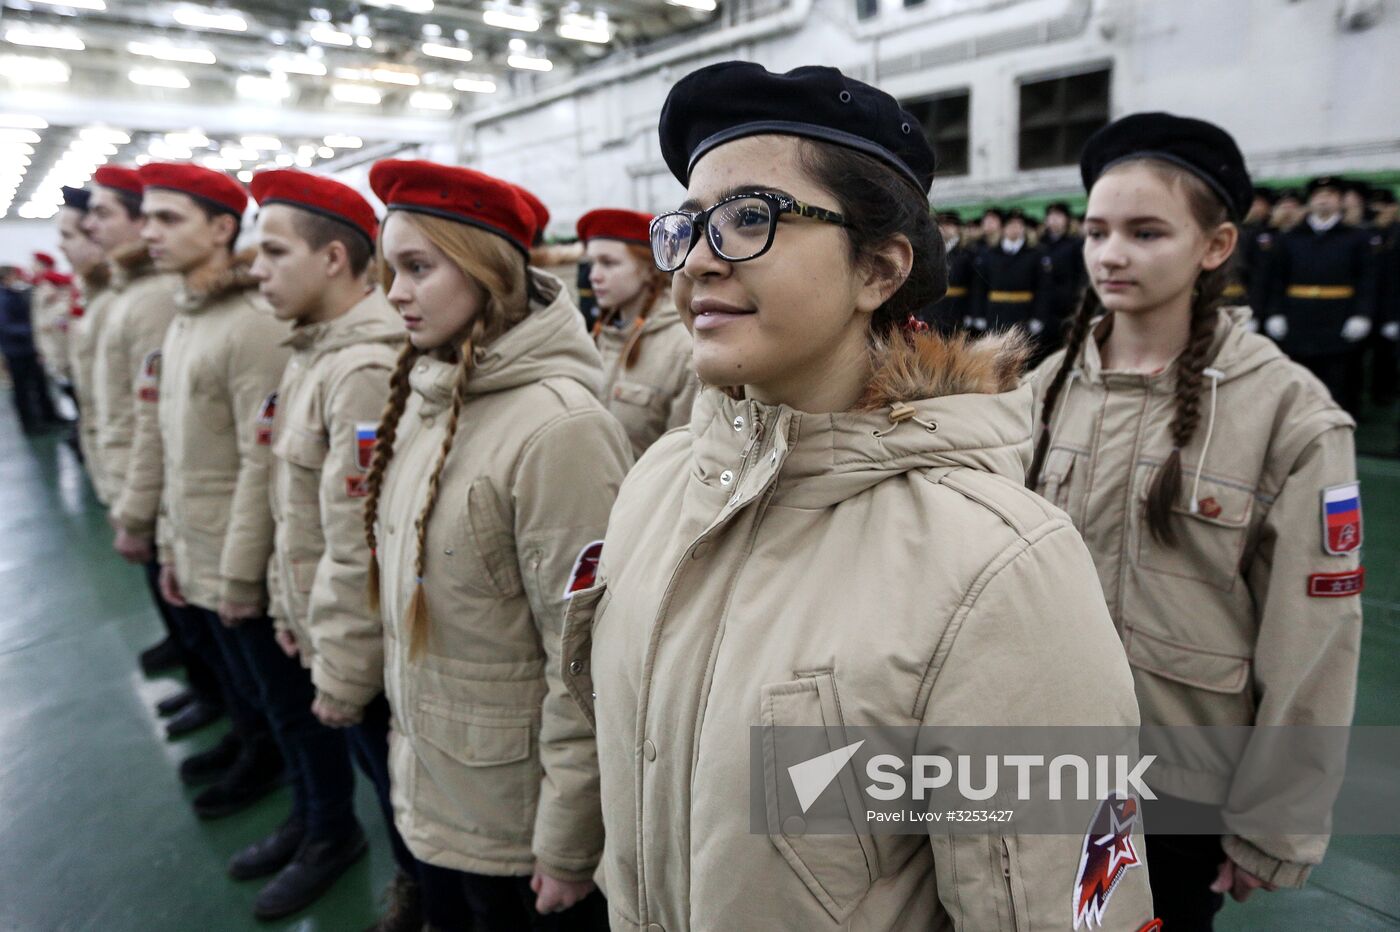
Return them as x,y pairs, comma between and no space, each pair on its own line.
1341,518
366,434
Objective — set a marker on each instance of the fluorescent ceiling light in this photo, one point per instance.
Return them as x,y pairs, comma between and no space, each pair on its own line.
257,88
22,121
326,34
364,42
325,152
44,38
394,76
245,176
32,211
241,153
408,6
706,6
197,17
94,149
189,54
12,160
96,6
582,28
220,164
296,64
159,77
15,148
475,85
529,62
104,134
344,142
450,52
355,94
261,143
26,69
193,139
19,135
429,100
285,160
514,18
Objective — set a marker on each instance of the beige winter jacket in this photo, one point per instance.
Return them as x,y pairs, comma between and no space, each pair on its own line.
51,316
222,360
767,567
656,392
83,335
141,309
1225,628
328,407
493,765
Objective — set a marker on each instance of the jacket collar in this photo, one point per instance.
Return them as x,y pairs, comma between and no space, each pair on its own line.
371,320
129,264
205,291
1234,352
933,402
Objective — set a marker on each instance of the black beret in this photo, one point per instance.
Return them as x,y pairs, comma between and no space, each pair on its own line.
993,212
1382,196
1203,149
1015,213
77,198
1266,194
1360,187
1060,206
1322,182
734,99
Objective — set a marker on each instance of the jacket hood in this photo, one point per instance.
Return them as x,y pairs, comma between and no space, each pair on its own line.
206,289
932,402
372,320
551,342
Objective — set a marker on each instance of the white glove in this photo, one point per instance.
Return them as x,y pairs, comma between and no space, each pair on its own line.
1391,330
1276,326
1252,325
1356,329
1035,326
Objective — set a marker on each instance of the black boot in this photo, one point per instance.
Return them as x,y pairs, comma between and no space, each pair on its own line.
162,656
172,704
269,855
213,764
257,773
403,906
192,718
314,870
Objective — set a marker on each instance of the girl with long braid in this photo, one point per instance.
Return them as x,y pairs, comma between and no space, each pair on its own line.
1215,483
649,381
493,473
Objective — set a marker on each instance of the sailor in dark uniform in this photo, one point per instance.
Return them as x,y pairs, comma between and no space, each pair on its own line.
1385,248
1247,279
1012,283
953,310
1322,295
1065,250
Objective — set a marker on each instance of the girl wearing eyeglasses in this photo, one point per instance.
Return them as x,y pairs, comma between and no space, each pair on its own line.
649,383
494,467
840,538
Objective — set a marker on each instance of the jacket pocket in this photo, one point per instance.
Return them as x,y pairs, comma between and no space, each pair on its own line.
477,770
487,528
1188,685
633,393
1055,478
301,448
1210,542
837,869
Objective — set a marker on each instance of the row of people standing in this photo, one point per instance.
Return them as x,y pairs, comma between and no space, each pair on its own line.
573,650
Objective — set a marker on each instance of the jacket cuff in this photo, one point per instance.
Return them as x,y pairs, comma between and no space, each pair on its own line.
559,871
1266,867
348,709
132,525
346,695
244,592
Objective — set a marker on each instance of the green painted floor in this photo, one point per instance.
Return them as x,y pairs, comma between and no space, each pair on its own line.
95,830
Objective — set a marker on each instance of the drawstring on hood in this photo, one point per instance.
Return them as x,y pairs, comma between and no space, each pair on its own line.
1215,375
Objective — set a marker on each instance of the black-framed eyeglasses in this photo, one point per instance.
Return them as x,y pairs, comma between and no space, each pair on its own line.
740,227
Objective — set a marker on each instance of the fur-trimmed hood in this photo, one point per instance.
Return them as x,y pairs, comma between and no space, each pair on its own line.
932,402
130,263
235,278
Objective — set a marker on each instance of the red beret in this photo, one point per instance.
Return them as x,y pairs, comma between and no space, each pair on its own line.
459,194
318,195
44,258
537,206
121,179
626,225
213,188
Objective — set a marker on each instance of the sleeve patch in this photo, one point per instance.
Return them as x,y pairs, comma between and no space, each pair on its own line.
366,435
1341,518
266,415
356,486
1107,854
585,572
1337,585
148,384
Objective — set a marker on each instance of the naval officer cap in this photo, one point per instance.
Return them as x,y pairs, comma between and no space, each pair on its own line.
1203,149
731,100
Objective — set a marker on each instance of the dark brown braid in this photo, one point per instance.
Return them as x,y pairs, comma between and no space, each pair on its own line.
383,452
1076,330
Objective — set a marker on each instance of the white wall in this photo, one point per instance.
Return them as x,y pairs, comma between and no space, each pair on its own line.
1303,90
20,239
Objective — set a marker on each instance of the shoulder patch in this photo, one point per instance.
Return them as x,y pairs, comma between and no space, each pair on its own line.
366,435
1341,518
1337,585
356,486
585,571
148,382
266,415
1107,854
